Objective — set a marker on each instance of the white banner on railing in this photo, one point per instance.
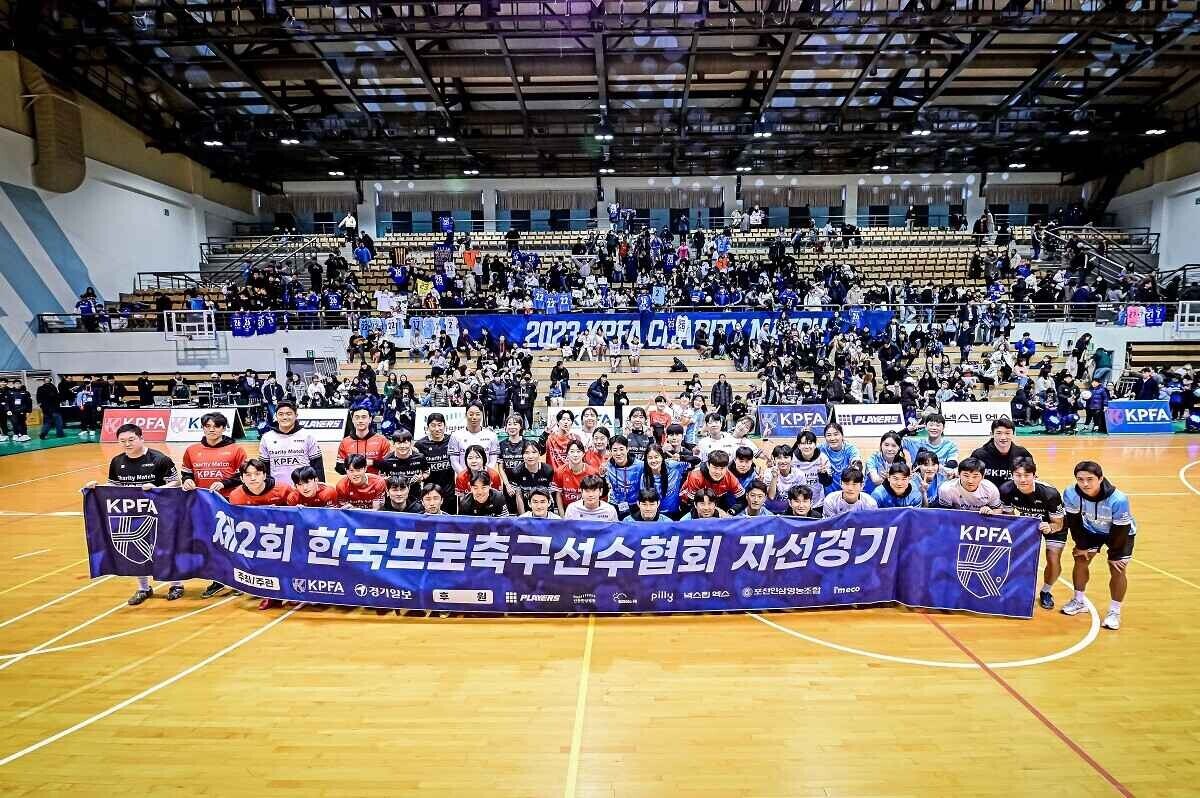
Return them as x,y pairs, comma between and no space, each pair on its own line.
973,418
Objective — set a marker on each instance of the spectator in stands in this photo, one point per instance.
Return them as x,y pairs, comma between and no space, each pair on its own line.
349,224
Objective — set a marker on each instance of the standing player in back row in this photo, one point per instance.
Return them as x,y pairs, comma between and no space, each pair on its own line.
215,464
362,440
288,446
139,467
999,454
1026,495
1098,515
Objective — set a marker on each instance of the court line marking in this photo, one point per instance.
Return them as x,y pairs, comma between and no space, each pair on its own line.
1168,493
126,633
52,476
31,554
1049,724
1092,633
1183,477
43,576
61,513
149,691
108,677
54,601
580,707
10,661
1166,573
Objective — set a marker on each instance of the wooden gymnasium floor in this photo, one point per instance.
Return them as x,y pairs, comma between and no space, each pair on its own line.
214,697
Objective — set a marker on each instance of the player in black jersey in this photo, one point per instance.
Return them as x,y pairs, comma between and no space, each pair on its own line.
435,448
532,475
1025,495
999,454
139,467
404,460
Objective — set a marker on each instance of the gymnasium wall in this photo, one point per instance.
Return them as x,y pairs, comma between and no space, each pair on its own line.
1164,195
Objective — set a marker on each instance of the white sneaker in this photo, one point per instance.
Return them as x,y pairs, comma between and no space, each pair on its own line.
1074,607
1112,620
83,433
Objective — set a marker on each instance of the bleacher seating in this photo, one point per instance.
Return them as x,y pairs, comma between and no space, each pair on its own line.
1162,353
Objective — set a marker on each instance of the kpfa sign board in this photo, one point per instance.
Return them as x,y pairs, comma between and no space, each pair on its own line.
1135,417
868,421
787,421
973,418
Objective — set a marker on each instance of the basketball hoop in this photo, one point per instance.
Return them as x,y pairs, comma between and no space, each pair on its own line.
189,325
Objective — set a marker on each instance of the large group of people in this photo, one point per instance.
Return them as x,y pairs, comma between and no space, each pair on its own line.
647,474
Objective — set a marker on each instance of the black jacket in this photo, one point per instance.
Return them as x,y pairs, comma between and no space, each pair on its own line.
47,397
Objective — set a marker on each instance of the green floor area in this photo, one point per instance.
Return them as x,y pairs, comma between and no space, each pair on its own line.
70,438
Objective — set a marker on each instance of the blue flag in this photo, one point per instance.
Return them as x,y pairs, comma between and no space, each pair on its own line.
943,559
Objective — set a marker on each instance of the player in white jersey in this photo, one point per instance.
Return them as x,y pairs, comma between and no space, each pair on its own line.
474,435
970,491
287,446
851,497
1098,516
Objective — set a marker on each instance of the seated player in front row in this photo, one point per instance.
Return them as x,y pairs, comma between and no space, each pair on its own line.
851,497
970,491
899,489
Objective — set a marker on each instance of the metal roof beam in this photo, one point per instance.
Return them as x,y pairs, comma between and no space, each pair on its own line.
980,42
516,82
405,46
1139,61
1031,83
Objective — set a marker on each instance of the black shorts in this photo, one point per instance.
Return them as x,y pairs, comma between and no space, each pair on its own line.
1086,541
1058,538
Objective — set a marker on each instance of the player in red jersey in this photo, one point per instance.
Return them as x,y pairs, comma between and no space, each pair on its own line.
259,489
213,463
359,488
362,440
713,475
309,491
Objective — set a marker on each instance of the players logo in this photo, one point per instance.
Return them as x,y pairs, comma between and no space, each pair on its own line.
133,536
982,569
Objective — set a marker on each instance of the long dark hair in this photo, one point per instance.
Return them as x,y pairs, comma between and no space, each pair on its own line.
651,479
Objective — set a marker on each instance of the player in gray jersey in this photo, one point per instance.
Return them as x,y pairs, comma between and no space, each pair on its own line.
851,497
970,491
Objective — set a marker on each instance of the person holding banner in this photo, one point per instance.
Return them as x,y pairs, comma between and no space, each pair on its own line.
590,506
214,464
899,489
1026,495
647,510
359,488
309,491
756,500
970,491
850,498
259,489
539,505
1098,516
145,468
800,503
431,500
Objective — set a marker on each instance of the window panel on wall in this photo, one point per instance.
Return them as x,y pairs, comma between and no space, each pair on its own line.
799,217
878,215
520,221
422,221
1039,212
323,222
922,219
560,219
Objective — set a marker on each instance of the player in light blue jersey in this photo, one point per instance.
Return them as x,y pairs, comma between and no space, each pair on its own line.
1098,515
841,453
899,489
930,474
945,449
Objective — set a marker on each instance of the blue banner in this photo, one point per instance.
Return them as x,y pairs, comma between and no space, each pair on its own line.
786,421
1139,417
944,559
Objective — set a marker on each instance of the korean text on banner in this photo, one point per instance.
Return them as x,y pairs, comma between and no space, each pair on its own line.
945,559
973,418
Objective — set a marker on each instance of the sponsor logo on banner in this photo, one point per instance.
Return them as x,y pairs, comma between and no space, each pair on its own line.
664,596
328,425
1139,417
984,558
154,423
255,580
133,536
511,597
587,599
327,587
456,419
624,600
869,421
787,421
706,594
973,418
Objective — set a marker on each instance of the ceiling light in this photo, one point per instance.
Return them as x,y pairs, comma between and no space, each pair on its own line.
922,131
446,137
1016,166
1156,131
604,131
337,174
762,130
880,167
1080,131
604,170
213,143
289,141
743,168
470,171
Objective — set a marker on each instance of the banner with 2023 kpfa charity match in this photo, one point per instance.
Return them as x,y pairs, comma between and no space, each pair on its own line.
944,559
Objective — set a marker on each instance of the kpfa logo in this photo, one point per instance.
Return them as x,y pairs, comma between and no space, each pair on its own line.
983,560
133,528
